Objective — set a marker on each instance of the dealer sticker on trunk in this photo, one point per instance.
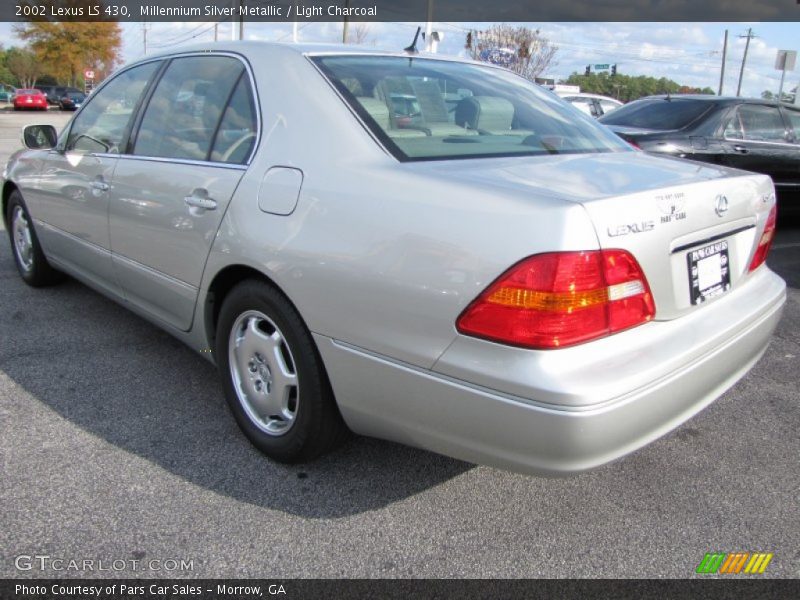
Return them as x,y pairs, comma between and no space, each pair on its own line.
709,272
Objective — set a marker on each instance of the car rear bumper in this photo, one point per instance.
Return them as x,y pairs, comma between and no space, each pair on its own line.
632,388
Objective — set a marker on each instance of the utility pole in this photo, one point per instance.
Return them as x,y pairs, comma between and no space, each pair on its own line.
346,23
241,21
429,27
749,36
216,30
294,32
722,69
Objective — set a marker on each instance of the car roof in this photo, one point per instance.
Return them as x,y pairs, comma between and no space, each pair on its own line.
258,49
722,100
586,95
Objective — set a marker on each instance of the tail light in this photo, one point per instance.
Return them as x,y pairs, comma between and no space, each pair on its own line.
633,144
765,243
561,299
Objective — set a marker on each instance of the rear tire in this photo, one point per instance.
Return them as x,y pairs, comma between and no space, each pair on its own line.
273,377
31,262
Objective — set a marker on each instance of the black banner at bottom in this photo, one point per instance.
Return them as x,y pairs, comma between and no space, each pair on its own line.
291,589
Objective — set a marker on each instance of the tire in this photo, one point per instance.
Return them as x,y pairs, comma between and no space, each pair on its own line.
31,262
273,377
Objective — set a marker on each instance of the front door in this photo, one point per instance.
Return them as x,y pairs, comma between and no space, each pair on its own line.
72,192
170,193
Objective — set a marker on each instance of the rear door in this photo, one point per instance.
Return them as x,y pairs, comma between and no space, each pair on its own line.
757,139
192,144
792,180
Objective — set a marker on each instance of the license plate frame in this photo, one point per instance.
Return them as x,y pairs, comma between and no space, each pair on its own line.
709,271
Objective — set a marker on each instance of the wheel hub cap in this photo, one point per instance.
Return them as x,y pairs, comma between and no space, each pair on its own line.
264,373
23,240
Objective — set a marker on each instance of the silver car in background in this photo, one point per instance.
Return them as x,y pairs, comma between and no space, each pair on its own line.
492,276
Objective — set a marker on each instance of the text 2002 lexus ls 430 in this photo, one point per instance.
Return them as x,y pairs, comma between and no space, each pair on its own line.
429,251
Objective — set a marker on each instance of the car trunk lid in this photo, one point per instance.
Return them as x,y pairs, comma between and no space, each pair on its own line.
668,213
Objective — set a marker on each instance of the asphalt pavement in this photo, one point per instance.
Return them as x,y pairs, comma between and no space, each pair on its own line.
117,446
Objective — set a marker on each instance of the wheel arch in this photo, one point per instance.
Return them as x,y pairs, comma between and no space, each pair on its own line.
222,283
8,187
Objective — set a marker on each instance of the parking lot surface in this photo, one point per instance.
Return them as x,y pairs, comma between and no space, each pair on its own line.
117,445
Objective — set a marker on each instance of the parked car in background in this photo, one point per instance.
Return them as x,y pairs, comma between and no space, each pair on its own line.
751,134
7,93
30,99
591,104
72,100
508,282
50,93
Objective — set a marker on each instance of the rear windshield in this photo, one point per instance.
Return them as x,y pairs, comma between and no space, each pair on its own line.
657,113
426,109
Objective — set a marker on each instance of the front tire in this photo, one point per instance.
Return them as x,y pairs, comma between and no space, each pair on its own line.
31,262
273,377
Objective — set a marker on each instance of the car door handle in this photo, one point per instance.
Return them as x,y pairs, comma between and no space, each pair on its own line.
196,201
740,149
100,186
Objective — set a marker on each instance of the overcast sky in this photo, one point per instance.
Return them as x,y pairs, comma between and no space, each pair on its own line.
689,53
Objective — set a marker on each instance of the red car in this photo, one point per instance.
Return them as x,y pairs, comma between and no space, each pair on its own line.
30,99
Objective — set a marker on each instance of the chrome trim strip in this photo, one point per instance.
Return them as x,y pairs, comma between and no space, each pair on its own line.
72,236
741,141
150,271
177,161
713,238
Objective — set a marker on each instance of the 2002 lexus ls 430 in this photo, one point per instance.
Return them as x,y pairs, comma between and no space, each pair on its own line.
430,251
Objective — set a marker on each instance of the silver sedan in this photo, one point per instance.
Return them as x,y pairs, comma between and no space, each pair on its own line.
488,274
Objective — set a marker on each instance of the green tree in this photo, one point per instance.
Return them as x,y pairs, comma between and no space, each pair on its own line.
626,87
24,65
6,76
66,49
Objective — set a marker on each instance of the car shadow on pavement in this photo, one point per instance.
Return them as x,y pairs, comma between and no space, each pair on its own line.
123,380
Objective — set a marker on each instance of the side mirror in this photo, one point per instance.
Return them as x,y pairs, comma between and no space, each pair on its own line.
39,137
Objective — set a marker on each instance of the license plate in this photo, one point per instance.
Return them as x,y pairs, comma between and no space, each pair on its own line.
709,272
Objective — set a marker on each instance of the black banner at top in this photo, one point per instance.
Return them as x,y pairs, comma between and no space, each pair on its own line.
400,10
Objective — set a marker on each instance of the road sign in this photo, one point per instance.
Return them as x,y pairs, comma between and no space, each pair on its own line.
785,60
88,74
601,67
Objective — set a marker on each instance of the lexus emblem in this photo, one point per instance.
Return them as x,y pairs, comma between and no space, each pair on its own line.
721,205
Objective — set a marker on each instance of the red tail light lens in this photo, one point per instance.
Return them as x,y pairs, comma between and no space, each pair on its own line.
765,243
561,299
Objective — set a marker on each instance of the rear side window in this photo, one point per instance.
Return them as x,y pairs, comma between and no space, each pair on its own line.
761,123
184,111
236,135
658,114
794,121
104,123
608,106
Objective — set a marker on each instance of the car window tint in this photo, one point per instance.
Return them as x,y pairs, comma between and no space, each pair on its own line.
762,123
186,106
733,129
659,114
104,122
237,131
794,121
